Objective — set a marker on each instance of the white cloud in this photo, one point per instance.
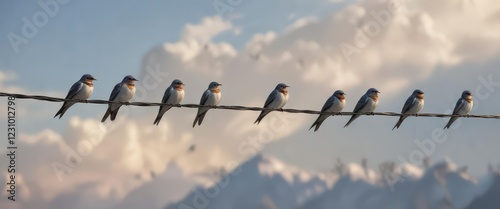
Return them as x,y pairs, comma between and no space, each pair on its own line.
105,162
196,42
409,50
206,30
300,23
308,57
259,41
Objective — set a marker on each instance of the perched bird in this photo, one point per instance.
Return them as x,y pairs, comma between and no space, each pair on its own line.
413,105
81,90
174,94
277,99
122,92
210,97
334,104
463,107
366,104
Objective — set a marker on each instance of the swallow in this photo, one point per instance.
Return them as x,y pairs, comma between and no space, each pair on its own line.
366,104
277,99
174,94
81,90
463,107
412,106
210,97
334,104
122,92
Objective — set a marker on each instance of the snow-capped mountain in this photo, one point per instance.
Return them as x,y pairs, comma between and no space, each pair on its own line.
261,182
441,186
265,182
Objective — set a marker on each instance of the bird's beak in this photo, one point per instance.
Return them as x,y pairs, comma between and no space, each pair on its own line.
220,84
135,79
94,79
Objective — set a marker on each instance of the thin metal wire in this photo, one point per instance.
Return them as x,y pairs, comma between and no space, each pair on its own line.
233,107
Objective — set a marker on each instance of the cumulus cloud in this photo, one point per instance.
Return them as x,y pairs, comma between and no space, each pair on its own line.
387,44
411,45
98,161
196,47
105,162
300,23
310,56
394,46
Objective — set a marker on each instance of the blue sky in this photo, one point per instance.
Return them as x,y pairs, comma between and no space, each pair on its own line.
109,39
112,36
299,43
